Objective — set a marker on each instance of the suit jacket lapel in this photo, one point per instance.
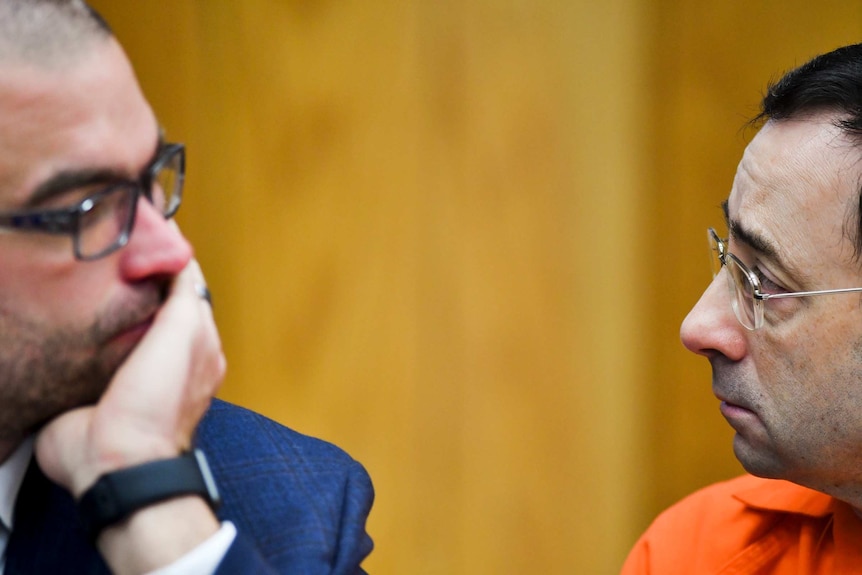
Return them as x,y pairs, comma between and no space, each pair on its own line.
47,536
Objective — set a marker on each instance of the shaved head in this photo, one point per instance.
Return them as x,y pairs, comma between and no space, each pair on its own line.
48,33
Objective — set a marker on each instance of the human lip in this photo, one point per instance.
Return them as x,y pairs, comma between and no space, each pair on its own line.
133,332
742,420
735,409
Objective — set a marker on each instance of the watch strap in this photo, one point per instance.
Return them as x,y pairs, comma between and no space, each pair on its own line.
118,494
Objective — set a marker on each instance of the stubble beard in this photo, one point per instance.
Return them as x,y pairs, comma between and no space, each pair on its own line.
43,374
752,447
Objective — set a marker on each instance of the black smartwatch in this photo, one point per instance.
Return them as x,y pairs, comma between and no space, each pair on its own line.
117,495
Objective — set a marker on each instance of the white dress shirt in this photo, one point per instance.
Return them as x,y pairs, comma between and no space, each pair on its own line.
11,475
202,560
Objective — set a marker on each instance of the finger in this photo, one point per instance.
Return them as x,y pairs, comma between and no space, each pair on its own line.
194,272
201,288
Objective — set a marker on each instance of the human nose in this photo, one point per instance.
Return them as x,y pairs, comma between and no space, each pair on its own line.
711,327
156,246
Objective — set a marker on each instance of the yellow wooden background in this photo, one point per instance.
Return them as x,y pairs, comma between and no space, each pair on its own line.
457,238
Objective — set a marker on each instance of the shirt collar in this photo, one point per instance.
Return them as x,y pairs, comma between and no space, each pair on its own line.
11,476
787,497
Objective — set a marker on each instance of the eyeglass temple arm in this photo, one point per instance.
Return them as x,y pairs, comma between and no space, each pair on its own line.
49,222
766,296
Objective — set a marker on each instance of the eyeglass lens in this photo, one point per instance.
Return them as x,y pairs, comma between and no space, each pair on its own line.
745,306
742,293
168,183
105,220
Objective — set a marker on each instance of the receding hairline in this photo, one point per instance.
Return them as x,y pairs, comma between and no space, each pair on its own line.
48,33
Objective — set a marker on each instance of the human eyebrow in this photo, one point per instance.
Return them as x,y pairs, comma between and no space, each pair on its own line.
752,239
747,237
66,181
763,246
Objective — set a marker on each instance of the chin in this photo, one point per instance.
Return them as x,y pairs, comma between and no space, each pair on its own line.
758,461
46,376
83,387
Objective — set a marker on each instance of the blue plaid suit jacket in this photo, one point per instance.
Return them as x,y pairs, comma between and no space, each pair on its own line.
299,505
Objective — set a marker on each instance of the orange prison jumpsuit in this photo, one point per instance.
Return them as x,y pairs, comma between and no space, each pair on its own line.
751,525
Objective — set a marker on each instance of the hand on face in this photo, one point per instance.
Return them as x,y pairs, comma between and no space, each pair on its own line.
154,401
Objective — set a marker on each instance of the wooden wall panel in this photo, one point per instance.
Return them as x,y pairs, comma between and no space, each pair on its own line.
457,239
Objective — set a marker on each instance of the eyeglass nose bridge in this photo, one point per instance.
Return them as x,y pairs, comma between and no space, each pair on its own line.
717,249
126,222
171,164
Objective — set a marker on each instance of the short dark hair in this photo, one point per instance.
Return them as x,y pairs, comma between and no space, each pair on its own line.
48,32
830,83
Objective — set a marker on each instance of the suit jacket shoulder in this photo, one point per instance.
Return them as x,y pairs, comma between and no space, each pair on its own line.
299,504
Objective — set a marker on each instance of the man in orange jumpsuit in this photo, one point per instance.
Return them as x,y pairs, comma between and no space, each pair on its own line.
781,325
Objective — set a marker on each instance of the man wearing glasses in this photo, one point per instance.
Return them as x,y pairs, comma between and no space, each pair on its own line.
781,325
113,455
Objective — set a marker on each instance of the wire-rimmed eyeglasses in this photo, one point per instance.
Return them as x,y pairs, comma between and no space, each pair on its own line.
102,222
746,293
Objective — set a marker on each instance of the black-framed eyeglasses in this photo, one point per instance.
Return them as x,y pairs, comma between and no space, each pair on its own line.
746,294
102,222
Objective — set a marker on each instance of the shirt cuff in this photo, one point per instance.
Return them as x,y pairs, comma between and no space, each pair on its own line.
205,558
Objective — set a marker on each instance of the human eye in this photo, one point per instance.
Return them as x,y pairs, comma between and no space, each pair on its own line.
767,284
73,198
100,206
